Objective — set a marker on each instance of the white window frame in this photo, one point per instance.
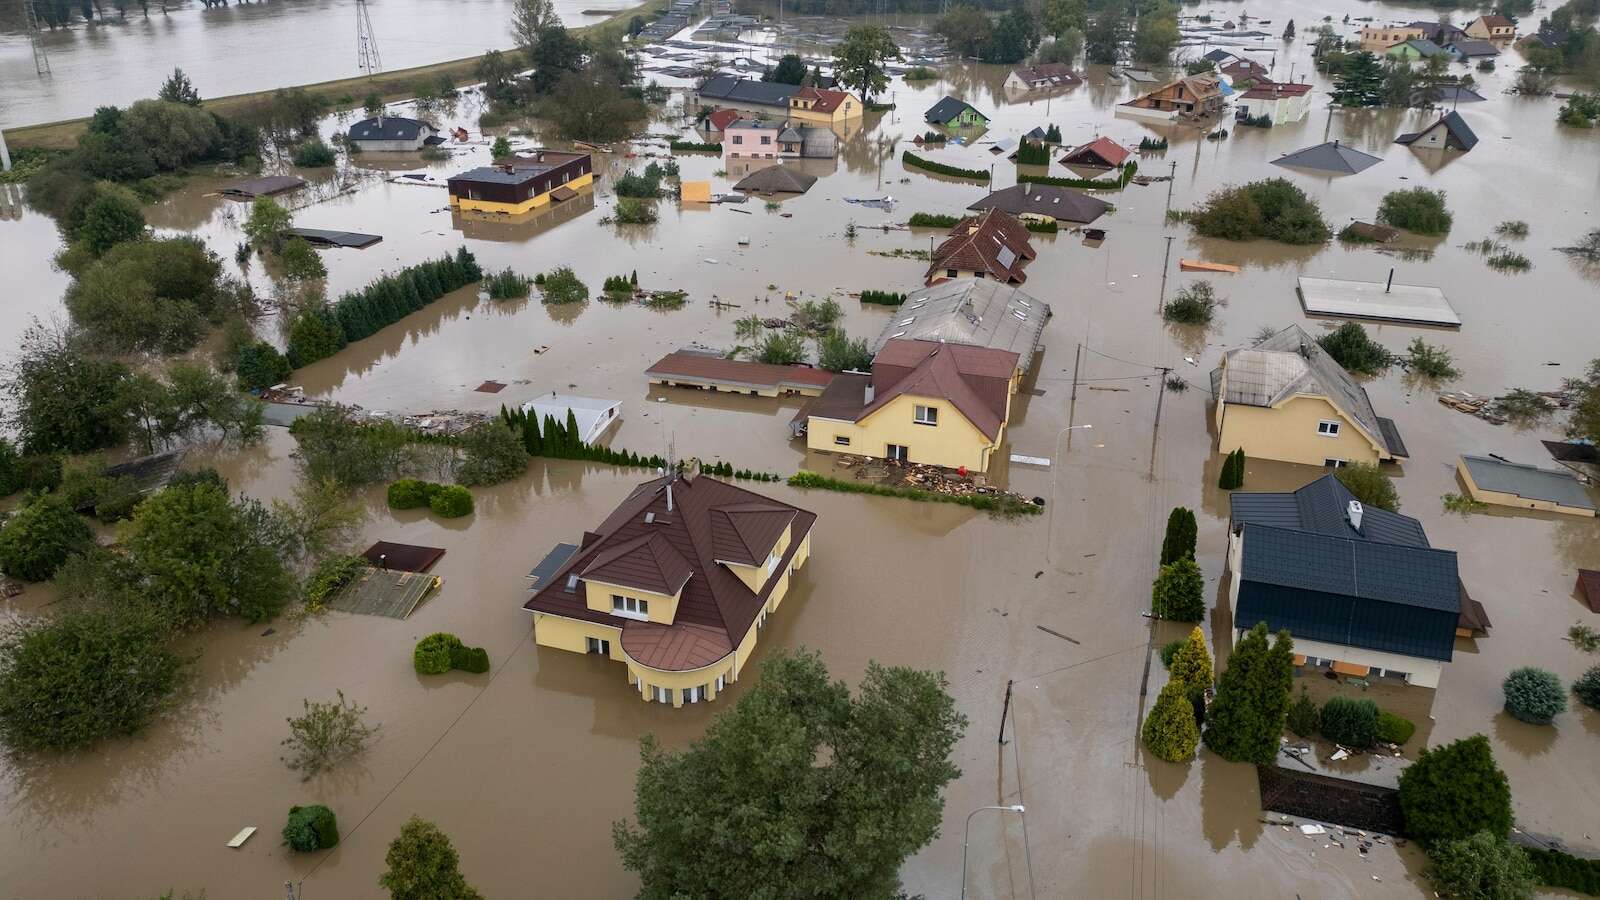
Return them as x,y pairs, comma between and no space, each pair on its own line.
925,415
601,646
722,682
841,440
1328,428
660,694
1329,462
772,563
694,694
630,607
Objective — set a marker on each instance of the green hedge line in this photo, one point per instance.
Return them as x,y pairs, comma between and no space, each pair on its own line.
911,159
695,147
931,220
1033,154
997,503
883,298
1557,869
559,440
320,333
1041,227
1129,169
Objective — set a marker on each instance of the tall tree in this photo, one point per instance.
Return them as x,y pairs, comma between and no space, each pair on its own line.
495,70
790,69
424,865
1107,31
1170,731
529,19
966,30
1361,82
63,400
555,54
1454,791
1192,663
799,790
858,61
1156,35
178,89
1246,718
1064,16
1013,37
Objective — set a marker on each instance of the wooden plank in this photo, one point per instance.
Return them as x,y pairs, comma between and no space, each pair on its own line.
243,835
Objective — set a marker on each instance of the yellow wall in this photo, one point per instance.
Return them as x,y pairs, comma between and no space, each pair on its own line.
528,205
1288,432
1514,501
850,109
755,577
569,634
662,606
952,443
725,387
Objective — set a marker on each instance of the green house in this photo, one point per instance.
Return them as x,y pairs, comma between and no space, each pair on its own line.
1415,49
952,112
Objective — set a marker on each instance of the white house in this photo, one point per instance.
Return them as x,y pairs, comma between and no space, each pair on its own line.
1282,103
393,133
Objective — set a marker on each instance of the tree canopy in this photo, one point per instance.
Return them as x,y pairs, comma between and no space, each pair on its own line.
790,69
424,865
1246,718
1454,791
858,61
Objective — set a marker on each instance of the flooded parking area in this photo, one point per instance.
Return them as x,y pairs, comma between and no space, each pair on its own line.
527,766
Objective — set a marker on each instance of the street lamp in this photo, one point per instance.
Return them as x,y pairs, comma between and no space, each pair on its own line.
967,833
1055,467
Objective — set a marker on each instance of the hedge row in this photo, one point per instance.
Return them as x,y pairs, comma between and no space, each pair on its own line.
1557,869
998,503
931,220
883,298
1129,169
449,501
911,159
695,147
556,440
320,333
1041,227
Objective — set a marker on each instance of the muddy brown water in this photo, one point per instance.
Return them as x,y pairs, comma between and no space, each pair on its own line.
527,766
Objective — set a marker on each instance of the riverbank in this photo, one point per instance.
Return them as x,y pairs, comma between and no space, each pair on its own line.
399,84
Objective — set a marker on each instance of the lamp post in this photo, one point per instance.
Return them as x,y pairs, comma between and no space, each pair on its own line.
967,833
1055,467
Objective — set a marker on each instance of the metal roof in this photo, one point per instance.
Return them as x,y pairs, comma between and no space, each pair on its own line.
778,179
389,128
980,312
1451,122
1290,363
1060,203
947,109
1330,157
1323,507
1527,481
745,90
1415,303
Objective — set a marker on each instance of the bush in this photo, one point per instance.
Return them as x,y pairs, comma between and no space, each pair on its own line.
635,212
883,298
1182,532
40,537
104,216
912,160
313,154
311,828
694,147
1031,153
1454,791
1170,732
1194,304
1563,870
1351,348
1232,477
781,348
452,501
932,220
1370,484
920,73
432,653
647,185
1038,227
561,286
1179,591
1417,210
1274,209
493,454
1534,695
469,659
836,352
1587,687
1394,729
1168,651
1304,718
1191,664
507,285
1482,867
69,681
329,575
300,262
260,365
1125,175
1002,504
326,735
422,865
1351,722
1430,361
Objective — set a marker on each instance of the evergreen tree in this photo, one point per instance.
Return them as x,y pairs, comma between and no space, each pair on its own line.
1361,82
1179,591
1453,791
1232,471
1169,731
1246,718
531,438
1182,533
574,437
1192,663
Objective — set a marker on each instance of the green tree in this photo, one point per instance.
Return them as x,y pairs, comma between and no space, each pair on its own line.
40,537
1351,347
300,262
1105,34
1399,83
1170,731
966,30
1013,37
529,19
62,399
1350,721
178,89
1304,718
1454,791
555,55
372,106
1246,719
790,69
111,216
781,348
1360,82
314,154
311,828
1156,35
1585,420
1232,476
1482,867
335,444
836,352
423,865
495,70
71,680
154,295
802,771
590,107
1417,210
1182,532
267,222
1587,687
1179,591
1371,485
501,148
323,519
858,61
492,454
1534,695
1062,17
1191,665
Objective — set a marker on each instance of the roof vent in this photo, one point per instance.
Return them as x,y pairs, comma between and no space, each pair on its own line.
649,518
572,584
1354,513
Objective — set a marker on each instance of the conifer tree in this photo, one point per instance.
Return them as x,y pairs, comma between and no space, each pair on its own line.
1192,663
1182,533
1246,718
1179,591
574,437
1170,731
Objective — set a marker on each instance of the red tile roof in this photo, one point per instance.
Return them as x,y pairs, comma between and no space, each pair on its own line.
1103,147
1273,90
976,380
981,243
1497,22
716,608
827,101
699,367
722,118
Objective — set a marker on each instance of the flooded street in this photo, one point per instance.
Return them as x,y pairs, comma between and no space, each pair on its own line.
527,766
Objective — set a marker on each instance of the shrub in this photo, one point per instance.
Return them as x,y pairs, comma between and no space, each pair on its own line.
635,212
469,659
1417,210
647,185
1509,261
1170,732
781,348
920,73
1587,687
1031,153
330,574
326,735
1482,867
1534,695
1274,209
1454,791
313,154
507,285
618,288
1232,476
40,537
1168,651
695,147
1371,485
1182,531
410,493
422,865
260,365
452,501
912,160
1124,175
300,262
1194,304
1557,868
1304,718
561,285
1192,663
931,220
311,828
1179,591
69,681
1350,347
1433,362
1000,504
836,352
432,654
1394,729
1351,722
883,298
1149,144
1038,227
493,454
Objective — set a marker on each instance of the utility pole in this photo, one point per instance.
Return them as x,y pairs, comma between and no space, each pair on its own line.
1005,710
1155,433
366,42
1072,409
1165,265
41,62
1172,179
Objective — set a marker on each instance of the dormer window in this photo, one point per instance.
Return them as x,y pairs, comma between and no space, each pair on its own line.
630,607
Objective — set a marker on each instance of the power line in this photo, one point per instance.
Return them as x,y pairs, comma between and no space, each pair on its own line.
366,42
41,61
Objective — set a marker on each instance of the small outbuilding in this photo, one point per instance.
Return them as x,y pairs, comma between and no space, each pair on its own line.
1045,203
1522,486
594,416
1449,133
268,186
1472,49
778,179
1332,157
393,133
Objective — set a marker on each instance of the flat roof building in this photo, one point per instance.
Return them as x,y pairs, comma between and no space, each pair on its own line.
522,183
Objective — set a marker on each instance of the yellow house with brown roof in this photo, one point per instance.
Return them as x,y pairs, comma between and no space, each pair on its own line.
827,107
676,584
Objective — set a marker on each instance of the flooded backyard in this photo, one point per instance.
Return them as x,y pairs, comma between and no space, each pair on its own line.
527,766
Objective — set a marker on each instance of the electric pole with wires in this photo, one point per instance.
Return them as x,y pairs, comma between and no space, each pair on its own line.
366,42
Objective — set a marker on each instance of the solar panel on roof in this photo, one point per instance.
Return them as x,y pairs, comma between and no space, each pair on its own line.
1006,257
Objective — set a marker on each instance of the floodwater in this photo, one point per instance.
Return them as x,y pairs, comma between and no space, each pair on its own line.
527,766
244,47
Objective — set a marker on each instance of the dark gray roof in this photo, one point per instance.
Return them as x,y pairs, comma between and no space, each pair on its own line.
498,175
1455,93
1471,48
745,90
322,237
1218,55
1330,157
1322,507
389,128
1530,482
947,109
1386,597
1045,200
1451,122
777,179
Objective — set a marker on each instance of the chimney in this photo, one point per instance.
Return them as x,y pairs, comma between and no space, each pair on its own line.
691,468
669,492
869,394
1354,512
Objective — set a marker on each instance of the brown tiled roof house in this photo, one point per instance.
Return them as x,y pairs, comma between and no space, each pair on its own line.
991,244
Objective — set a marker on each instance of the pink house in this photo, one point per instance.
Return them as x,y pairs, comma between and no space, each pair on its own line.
754,139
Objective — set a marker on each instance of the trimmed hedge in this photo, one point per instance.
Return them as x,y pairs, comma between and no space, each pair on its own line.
996,503
1129,169
1563,870
1351,722
1038,227
451,501
311,828
411,493
320,333
469,659
931,220
694,147
883,298
440,652
916,162
1394,729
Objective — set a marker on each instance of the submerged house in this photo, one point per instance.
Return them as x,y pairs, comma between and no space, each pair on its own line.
1279,103
592,415
925,402
1032,202
971,311
991,244
1502,482
393,133
1491,28
1414,49
1100,153
1379,38
522,183
1193,96
1449,133
952,112
676,584
1287,399
824,106
1359,588
1042,77
746,93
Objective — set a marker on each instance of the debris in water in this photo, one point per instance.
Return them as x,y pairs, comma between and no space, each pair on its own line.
243,835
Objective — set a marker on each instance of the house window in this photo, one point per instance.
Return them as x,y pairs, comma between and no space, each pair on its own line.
1327,428
597,645
772,562
841,440
738,139
766,139
925,415
722,681
950,273
1331,463
661,694
900,453
630,607
694,694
